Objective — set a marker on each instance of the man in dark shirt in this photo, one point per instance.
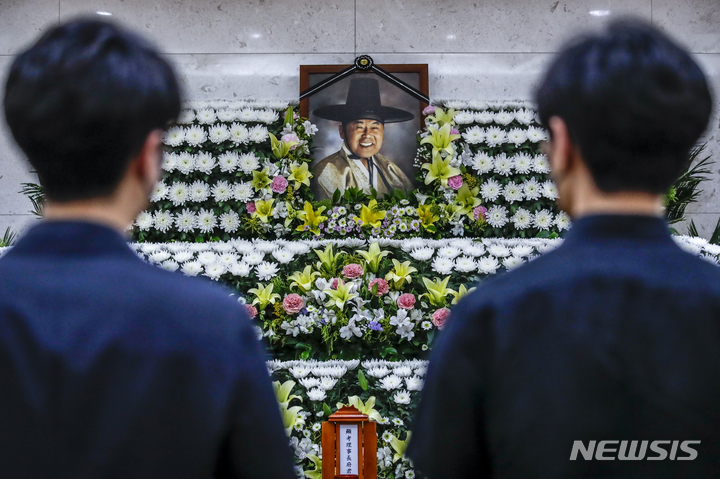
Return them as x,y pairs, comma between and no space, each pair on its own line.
552,370
111,367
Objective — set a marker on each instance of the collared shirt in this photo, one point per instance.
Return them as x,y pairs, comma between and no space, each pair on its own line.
359,163
613,336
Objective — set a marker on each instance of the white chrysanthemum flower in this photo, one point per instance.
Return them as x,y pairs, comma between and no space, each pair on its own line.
207,257
169,162
513,192
449,252
204,162
535,134
402,397
474,135
222,191
522,250
524,116
482,163
309,382
228,161
144,221
185,221
422,254
498,250
503,165
215,270
266,246
160,192
186,117
243,192
490,190
183,256
497,216
247,115
402,371
443,265
562,221
174,136
283,255
218,134
495,136
192,268
199,191
484,117
414,383
239,133
248,162
397,421
687,246
541,164
523,163
464,117
228,259
390,382
465,264
522,219
163,220
517,136
229,222
226,115
195,135
266,270
185,163
316,394
254,257
240,269
179,193
488,265
532,189
170,265
206,221
543,219
267,116
475,249
206,116
512,262
378,372
549,190
504,117
327,383
426,325
258,134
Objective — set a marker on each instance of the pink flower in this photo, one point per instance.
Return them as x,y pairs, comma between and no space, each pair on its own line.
455,182
406,301
251,207
279,184
382,286
353,271
429,110
293,303
335,282
455,131
251,310
287,138
480,211
440,316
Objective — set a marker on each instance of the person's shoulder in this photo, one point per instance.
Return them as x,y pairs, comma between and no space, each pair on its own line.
333,160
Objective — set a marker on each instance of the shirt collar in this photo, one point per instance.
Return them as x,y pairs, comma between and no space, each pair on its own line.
619,227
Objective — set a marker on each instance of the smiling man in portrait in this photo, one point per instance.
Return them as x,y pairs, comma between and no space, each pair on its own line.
358,164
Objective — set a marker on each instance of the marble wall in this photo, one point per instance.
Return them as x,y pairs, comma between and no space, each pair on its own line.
475,49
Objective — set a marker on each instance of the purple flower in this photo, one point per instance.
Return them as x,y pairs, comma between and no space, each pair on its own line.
375,326
429,110
480,211
454,131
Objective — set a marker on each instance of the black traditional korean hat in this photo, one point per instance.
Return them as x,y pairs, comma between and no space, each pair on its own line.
363,103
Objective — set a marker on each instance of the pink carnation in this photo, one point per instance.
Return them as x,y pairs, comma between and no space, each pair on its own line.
251,207
480,211
454,131
335,282
440,316
382,286
406,301
293,303
279,184
429,110
251,310
287,138
353,271
455,182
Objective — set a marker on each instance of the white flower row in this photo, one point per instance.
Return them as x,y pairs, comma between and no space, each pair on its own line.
196,135
205,162
494,135
271,104
208,116
180,192
502,117
486,105
520,163
530,190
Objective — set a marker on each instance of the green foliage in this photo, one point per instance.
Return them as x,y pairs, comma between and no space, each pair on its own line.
36,195
686,189
8,239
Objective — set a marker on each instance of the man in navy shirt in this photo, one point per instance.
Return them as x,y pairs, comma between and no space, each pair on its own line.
553,370
111,367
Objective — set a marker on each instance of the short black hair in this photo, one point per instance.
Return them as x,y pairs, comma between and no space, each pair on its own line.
81,102
634,101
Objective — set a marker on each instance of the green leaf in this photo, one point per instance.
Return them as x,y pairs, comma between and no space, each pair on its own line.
363,380
336,196
327,410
